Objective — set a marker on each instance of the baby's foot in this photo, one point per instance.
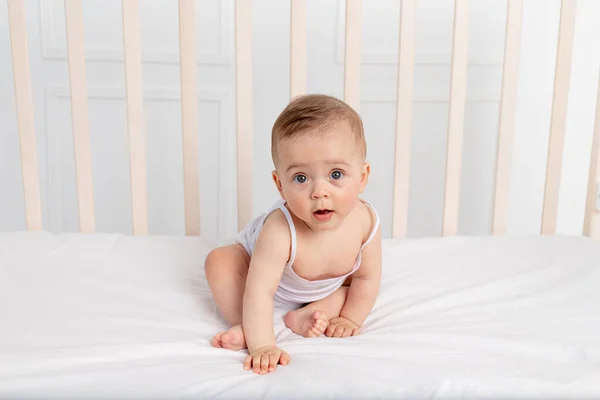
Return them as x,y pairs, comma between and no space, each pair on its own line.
306,322
232,339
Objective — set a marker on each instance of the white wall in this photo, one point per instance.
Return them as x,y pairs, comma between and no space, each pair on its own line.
103,40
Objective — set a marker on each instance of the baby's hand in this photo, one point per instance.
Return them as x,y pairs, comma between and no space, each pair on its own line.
265,359
341,327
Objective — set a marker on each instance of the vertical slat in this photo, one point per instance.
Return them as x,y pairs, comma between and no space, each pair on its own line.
406,59
506,128
243,73
456,117
189,111
298,48
22,81
559,115
79,111
352,53
591,225
135,116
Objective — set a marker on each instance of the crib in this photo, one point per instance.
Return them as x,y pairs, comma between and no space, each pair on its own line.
96,314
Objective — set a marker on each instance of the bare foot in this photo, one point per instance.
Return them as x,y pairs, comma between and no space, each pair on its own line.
307,322
232,339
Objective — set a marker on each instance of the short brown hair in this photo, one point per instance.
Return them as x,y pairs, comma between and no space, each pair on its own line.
315,112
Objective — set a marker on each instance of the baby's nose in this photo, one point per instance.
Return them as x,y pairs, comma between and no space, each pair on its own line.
319,192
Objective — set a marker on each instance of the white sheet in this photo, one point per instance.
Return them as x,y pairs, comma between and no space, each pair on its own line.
101,316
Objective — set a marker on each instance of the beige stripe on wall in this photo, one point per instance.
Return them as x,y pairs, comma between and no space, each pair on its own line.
458,85
506,129
135,116
559,116
298,48
79,115
591,225
406,59
352,53
189,115
243,73
25,122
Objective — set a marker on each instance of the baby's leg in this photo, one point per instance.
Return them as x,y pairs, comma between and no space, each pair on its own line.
312,320
226,271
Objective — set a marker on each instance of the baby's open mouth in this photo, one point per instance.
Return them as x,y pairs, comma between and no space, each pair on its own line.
323,211
323,215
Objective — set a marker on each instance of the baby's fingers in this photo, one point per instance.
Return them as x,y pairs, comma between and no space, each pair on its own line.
273,359
264,364
248,362
256,364
330,329
284,359
339,331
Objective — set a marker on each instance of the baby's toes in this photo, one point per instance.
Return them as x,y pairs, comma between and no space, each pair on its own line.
321,325
320,316
216,340
314,332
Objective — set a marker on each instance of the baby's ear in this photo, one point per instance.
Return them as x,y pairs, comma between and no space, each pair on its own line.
277,181
364,176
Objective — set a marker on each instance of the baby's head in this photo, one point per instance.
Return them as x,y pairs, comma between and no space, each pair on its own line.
318,148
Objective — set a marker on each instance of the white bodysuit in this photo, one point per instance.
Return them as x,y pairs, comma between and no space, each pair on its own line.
294,290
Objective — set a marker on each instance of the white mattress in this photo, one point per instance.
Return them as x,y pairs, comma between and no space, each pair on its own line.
109,316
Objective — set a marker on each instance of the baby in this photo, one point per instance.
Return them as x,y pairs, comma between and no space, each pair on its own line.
316,251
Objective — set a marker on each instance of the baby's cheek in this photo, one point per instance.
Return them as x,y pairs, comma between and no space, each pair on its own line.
293,192
297,203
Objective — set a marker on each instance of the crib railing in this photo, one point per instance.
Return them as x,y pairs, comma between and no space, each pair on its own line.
243,77
23,99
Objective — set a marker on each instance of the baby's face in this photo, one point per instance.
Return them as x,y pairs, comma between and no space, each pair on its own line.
321,176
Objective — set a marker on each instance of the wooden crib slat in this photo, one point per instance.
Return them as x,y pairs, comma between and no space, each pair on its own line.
243,73
456,117
406,59
25,121
508,101
298,48
591,225
189,111
135,116
352,53
559,115
79,110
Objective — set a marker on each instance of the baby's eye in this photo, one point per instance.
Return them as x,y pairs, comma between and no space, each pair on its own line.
337,175
300,178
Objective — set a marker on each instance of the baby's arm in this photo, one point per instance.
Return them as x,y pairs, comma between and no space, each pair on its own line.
365,283
266,267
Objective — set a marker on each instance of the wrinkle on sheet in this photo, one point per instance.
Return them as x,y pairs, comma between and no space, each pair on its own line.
132,317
